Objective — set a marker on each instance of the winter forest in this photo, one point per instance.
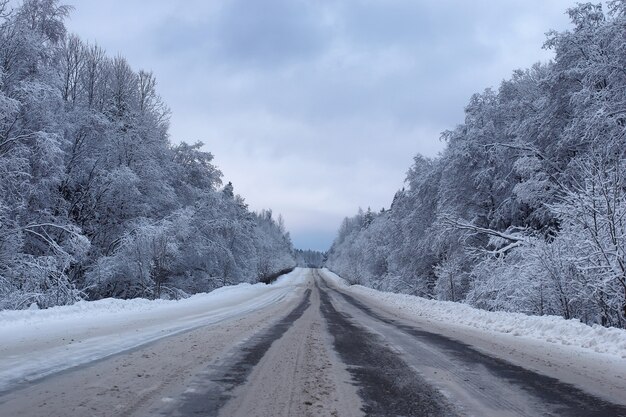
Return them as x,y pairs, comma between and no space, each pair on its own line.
95,199
525,209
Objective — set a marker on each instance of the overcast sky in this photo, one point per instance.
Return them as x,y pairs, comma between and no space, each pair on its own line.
315,108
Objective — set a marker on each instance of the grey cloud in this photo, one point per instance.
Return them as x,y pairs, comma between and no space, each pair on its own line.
391,22
245,36
269,33
333,62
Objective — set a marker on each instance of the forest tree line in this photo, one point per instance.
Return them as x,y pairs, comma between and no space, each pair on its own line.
309,258
525,209
95,199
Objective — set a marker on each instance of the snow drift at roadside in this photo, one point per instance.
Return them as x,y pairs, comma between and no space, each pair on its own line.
552,329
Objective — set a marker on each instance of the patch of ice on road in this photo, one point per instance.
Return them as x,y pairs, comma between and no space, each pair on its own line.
552,329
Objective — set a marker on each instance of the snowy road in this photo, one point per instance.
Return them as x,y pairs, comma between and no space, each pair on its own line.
436,375
306,346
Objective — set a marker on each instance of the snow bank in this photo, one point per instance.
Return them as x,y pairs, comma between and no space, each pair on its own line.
104,309
36,343
552,329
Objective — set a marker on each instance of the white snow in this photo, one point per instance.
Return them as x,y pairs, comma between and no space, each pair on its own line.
36,343
551,329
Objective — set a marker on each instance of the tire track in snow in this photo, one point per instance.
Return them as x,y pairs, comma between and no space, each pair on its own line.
212,388
388,386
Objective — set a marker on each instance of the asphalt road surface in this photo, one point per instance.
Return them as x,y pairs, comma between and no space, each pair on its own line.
325,352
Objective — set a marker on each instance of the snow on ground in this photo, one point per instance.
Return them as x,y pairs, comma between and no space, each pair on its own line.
36,343
550,329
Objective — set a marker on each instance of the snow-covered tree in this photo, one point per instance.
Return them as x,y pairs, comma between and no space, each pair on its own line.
523,210
95,200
